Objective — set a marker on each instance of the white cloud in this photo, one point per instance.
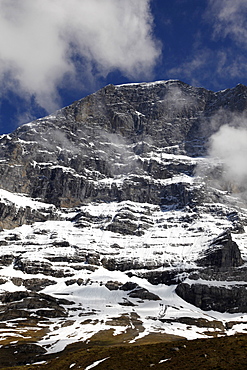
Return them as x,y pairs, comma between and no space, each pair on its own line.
229,144
178,100
229,19
45,42
198,68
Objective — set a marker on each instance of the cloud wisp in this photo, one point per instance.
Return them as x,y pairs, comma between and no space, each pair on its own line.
229,144
217,53
46,44
229,19
226,167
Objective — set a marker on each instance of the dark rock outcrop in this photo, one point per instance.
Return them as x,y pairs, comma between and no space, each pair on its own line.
129,286
168,277
21,304
36,267
218,264
20,354
113,285
37,284
128,264
215,297
143,294
12,216
135,291
222,254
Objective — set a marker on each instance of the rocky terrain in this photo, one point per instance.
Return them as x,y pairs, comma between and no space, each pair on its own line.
115,218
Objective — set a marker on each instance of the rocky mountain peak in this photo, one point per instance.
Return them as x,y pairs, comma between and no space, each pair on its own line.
114,134
115,216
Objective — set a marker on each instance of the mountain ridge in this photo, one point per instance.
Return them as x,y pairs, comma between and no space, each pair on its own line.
100,149
115,215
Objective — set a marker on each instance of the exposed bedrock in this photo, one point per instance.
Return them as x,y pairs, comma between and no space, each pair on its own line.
223,253
118,132
12,216
212,297
21,303
219,266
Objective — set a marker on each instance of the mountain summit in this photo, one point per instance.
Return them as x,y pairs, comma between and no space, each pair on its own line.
89,150
116,217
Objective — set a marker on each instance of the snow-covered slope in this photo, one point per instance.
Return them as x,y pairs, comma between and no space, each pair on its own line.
113,221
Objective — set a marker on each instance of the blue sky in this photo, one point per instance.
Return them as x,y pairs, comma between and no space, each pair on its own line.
53,52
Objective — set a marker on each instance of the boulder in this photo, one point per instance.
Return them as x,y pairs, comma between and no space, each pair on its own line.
113,285
143,293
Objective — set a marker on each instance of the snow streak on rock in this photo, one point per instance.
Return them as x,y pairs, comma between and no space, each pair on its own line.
115,220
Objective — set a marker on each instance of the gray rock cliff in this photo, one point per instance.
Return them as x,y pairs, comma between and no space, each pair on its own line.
120,132
114,216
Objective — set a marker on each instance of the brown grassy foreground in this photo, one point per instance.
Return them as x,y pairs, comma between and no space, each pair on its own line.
213,353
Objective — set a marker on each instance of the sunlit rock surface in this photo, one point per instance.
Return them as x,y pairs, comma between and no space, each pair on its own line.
115,215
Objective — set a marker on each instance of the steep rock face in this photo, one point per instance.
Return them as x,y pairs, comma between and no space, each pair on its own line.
112,219
219,298
17,209
11,217
89,150
222,254
219,263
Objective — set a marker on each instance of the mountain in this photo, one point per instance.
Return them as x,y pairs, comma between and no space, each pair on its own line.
117,221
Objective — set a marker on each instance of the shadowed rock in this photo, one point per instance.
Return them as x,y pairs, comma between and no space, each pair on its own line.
210,297
21,304
223,253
